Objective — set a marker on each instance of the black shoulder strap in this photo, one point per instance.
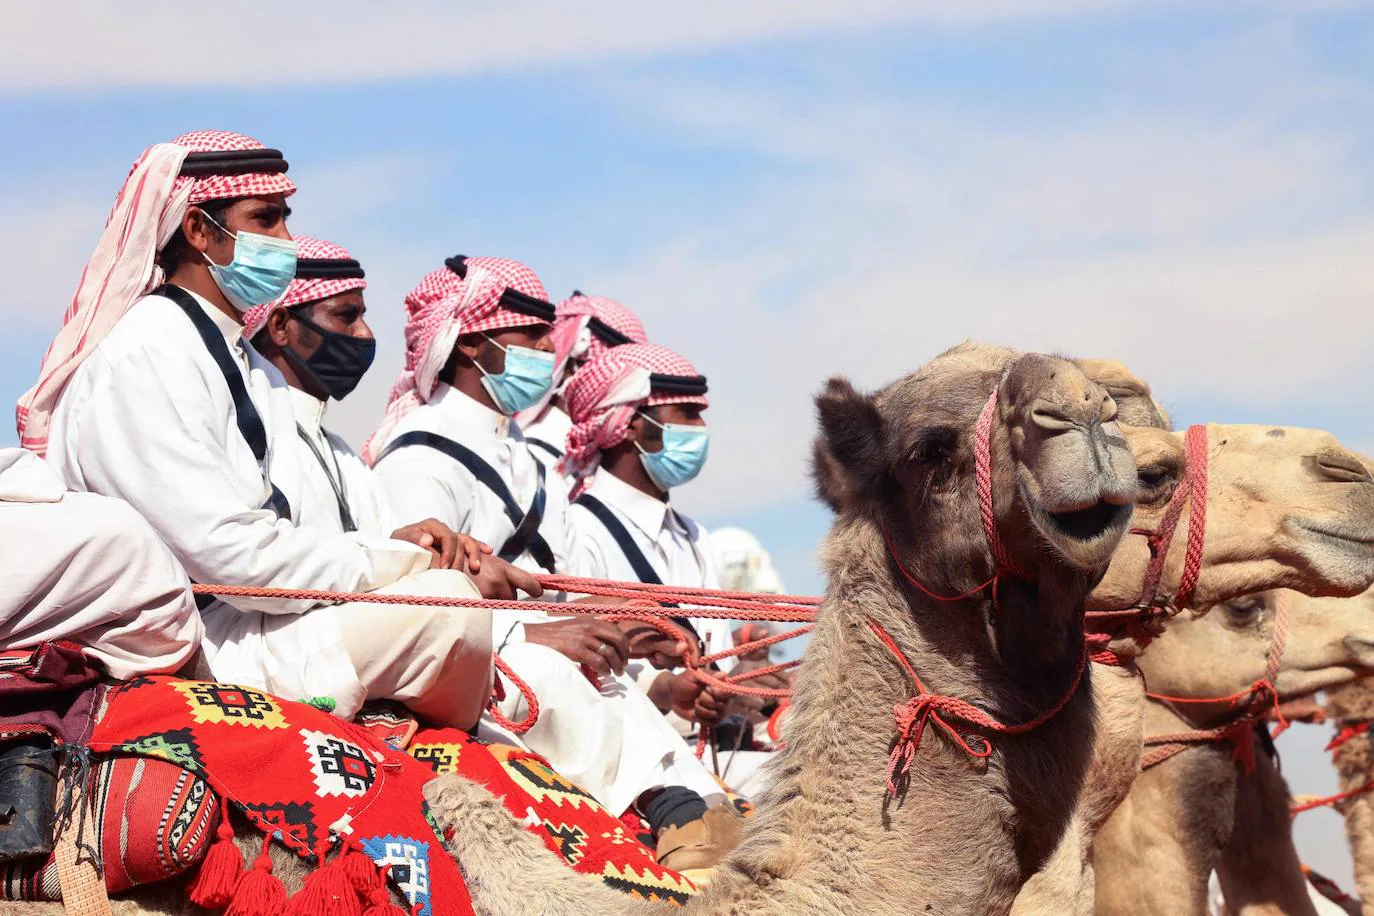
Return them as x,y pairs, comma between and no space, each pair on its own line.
487,476
545,446
638,562
249,422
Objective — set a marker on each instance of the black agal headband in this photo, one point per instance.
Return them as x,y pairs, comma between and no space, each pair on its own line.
233,162
677,384
511,299
328,269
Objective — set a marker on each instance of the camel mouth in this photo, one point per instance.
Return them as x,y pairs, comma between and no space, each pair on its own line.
1345,537
1087,524
1086,536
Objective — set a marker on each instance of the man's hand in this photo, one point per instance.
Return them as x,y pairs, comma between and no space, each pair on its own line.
499,580
691,699
709,708
600,646
661,650
451,550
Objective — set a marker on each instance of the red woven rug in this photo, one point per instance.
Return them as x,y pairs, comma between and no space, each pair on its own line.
571,823
297,773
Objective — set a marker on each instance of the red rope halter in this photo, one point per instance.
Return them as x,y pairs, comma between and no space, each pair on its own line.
1138,619
925,707
1253,704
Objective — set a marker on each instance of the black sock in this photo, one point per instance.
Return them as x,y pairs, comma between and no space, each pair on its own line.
671,806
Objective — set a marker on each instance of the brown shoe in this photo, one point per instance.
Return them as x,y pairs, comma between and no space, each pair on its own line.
702,843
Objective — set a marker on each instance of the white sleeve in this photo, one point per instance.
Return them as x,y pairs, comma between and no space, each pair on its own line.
148,434
419,483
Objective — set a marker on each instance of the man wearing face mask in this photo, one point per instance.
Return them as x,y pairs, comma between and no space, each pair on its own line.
477,352
150,394
585,327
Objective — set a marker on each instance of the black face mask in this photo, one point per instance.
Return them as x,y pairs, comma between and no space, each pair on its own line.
338,363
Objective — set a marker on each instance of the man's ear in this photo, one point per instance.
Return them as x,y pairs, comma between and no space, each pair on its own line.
275,328
848,457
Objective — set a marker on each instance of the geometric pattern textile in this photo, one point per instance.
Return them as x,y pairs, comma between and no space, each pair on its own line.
572,824
155,820
297,773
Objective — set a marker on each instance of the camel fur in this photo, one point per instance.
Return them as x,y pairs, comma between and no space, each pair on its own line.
1354,762
1158,849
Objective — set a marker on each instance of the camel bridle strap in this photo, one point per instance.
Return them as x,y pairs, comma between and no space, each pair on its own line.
1252,705
1148,610
1348,732
946,712
982,476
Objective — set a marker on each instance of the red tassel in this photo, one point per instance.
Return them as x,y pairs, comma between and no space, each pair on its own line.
362,872
381,904
260,893
327,892
221,871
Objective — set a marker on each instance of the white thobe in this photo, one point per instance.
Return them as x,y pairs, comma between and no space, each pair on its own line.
676,547
437,660
548,436
673,544
148,418
89,569
609,738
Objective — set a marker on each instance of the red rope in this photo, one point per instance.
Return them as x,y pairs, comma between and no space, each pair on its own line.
1331,800
1141,619
713,608
531,700
925,707
1347,734
1257,702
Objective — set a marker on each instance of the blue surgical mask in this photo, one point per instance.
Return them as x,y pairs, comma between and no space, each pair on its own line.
682,457
262,269
527,377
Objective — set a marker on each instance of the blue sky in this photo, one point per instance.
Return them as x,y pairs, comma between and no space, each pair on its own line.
784,190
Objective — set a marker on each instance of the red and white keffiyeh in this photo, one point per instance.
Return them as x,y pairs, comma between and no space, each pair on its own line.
306,287
442,308
604,394
146,213
585,328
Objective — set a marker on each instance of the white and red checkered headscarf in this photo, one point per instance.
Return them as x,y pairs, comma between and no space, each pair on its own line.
442,308
604,394
585,327
318,264
123,269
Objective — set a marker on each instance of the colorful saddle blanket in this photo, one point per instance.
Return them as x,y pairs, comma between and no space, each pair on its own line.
300,775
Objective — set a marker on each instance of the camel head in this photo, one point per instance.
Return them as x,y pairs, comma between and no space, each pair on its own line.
1330,642
903,462
1286,508
1135,404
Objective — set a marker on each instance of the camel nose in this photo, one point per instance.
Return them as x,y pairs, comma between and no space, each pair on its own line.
1059,415
1342,467
1361,648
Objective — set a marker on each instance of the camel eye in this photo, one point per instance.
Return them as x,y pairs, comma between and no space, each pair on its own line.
1244,611
935,445
1156,480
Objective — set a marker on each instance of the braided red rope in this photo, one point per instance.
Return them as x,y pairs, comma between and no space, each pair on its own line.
531,700
713,608
916,713
1141,618
1257,702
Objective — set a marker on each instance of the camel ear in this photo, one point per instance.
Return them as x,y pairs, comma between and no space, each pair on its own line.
829,476
849,451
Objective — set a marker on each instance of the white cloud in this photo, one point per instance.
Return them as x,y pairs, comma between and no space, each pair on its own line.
104,45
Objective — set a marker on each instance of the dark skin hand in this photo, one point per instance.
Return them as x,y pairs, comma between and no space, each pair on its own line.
689,698
493,576
600,646
263,215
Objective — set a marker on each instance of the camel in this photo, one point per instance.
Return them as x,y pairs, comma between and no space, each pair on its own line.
1159,847
1259,478
522,871
1260,873
1354,762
